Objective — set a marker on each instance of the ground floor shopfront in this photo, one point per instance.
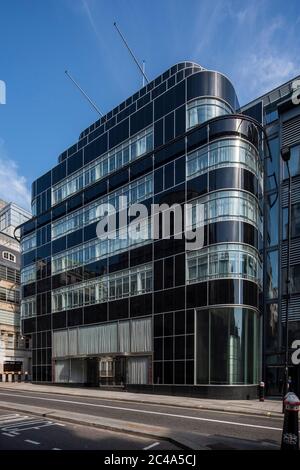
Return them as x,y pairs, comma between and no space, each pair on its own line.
222,356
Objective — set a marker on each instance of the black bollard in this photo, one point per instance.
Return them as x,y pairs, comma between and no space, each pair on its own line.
261,391
19,377
26,377
290,434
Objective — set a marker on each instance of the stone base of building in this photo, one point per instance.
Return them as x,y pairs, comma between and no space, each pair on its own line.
220,392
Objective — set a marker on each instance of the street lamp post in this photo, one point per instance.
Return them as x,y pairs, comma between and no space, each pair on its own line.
286,155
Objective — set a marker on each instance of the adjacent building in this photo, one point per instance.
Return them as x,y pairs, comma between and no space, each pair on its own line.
15,354
280,113
157,315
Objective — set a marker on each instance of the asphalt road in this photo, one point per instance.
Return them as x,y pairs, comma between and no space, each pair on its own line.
20,431
262,431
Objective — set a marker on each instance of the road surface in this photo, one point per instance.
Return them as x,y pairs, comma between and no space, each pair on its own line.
240,429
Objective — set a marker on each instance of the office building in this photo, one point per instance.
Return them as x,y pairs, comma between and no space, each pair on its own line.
280,111
154,314
15,354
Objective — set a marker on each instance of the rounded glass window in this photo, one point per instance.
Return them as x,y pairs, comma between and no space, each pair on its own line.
223,153
227,260
201,110
224,205
227,346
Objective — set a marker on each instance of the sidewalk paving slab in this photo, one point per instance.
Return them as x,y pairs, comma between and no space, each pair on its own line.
254,407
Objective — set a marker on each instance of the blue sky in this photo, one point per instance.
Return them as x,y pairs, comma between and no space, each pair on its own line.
256,43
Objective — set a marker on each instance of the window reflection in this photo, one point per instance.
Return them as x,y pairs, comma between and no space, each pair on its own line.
271,327
295,221
272,274
272,165
272,223
294,162
228,346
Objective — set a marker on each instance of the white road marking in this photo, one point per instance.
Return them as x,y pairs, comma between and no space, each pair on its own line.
6,434
151,445
32,442
59,424
13,420
6,417
55,448
133,410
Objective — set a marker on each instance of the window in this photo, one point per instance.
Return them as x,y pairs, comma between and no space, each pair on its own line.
294,280
97,249
201,110
222,153
130,150
135,192
295,221
227,346
28,274
272,274
135,281
272,222
294,162
28,307
271,116
224,205
28,243
224,260
9,256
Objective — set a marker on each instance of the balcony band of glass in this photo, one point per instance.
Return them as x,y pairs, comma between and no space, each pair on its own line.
98,249
222,206
224,152
108,163
224,260
127,283
135,192
203,109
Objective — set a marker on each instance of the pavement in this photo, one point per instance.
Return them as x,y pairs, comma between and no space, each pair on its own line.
183,422
267,408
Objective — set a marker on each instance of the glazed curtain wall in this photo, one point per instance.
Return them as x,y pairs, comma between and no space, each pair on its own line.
227,346
129,336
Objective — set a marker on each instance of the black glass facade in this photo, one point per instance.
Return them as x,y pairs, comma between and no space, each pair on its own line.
154,314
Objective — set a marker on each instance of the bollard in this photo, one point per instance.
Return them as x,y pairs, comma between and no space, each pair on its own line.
19,377
261,391
290,434
12,377
26,376
6,377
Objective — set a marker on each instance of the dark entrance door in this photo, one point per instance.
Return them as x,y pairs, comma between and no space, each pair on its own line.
92,372
120,371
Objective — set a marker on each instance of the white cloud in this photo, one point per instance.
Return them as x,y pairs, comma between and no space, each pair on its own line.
13,186
271,60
